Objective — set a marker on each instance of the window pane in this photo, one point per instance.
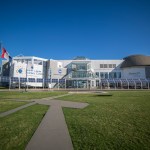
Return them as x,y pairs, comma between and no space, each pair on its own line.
118,74
97,74
114,65
110,65
101,65
105,65
106,75
102,75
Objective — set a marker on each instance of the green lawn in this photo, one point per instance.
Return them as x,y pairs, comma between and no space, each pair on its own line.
28,95
17,129
6,105
120,121
1,87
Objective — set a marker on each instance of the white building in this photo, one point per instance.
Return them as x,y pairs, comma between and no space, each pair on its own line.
132,71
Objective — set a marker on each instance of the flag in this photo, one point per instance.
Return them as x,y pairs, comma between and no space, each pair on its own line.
5,54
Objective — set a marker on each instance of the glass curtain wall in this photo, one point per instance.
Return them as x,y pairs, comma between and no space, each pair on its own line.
78,74
80,70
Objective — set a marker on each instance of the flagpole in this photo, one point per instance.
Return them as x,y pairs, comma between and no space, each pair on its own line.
26,83
1,59
5,55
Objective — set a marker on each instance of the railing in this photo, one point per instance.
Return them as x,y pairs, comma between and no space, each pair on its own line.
38,80
127,83
141,83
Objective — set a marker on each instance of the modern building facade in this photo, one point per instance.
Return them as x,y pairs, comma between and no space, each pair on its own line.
130,72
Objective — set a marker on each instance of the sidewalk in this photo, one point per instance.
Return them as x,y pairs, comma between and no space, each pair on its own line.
16,109
52,133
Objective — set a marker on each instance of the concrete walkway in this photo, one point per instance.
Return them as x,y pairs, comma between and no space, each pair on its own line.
52,133
53,97
33,102
16,109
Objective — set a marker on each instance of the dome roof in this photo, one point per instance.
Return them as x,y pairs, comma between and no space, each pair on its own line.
136,60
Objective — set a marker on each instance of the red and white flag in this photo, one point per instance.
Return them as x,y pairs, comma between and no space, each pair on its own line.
5,54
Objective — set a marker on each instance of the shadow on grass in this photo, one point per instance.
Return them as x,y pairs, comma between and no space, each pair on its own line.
101,94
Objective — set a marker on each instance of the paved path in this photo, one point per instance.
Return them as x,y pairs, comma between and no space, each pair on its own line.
53,97
52,133
16,109
34,101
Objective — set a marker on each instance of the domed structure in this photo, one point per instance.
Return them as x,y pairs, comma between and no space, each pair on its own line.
136,60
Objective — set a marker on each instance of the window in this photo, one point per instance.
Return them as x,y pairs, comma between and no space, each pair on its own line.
118,74
115,75
102,75
106,75
110,65
97,74
38,62
105,66
79,74
97,83
31,79
114,65
92,83
112,75
101,65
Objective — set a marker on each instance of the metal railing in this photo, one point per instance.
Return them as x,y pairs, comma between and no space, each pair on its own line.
140,83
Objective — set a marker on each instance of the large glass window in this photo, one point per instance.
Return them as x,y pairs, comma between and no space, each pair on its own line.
79,66
104,75
97,83
89,66
92,83
79,74
79,70
115,75
97,74
118,74
112,75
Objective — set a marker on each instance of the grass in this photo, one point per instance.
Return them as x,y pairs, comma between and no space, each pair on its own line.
28,95
17,129
1,87
120,121
6,105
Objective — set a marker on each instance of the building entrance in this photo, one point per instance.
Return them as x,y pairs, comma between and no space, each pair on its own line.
77,83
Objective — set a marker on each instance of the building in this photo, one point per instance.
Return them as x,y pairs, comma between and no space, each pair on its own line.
130,72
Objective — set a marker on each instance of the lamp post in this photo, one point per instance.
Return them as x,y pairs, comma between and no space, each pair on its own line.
59,71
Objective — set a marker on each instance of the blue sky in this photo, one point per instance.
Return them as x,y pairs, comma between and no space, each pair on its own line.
63,29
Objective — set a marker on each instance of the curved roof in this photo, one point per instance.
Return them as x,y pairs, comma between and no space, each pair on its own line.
136,60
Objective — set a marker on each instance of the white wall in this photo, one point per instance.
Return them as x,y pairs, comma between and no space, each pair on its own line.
33,71
19,69
55,67
22,70
96,65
